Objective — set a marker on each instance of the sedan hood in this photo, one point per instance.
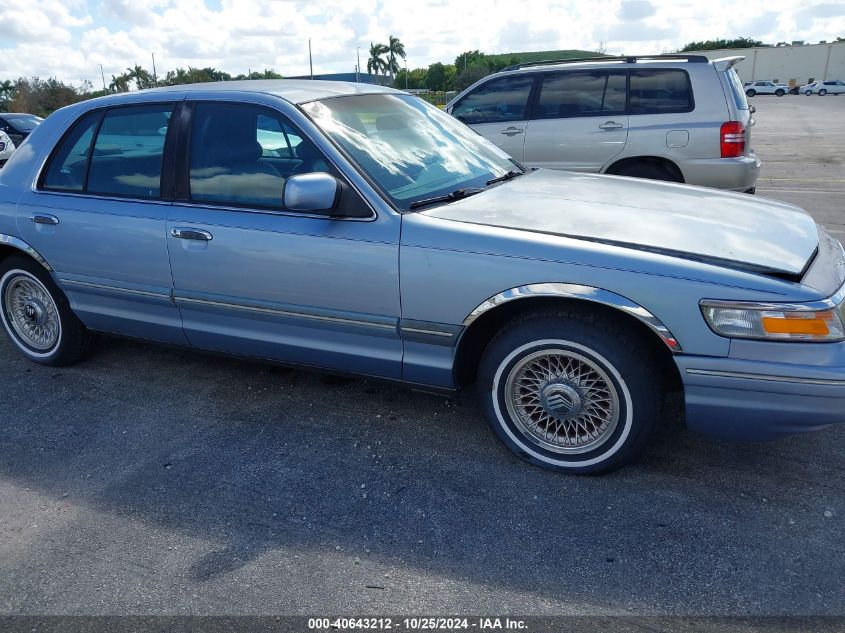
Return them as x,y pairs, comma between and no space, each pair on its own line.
734,230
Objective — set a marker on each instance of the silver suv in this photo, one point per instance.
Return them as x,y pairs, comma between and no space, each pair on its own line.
681,118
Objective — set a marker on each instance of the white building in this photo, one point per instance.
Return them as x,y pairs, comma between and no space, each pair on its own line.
793,65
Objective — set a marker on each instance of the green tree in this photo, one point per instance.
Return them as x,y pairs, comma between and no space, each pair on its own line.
7,93
474,72
712,45
142,78
395,49
376,63
465,60
120,83
44,96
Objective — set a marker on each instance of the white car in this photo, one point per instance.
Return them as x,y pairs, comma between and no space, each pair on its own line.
7,148
765,88
821,88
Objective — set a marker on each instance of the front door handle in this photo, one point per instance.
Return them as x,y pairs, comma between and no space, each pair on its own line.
192,234
45,218
611,125
511,131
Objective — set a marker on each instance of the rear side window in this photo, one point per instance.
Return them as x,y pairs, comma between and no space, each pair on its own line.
660,92
580,94
737,89
128,152
66,171
496,101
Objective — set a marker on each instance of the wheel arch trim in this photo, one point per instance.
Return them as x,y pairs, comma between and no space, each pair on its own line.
580,292
16,242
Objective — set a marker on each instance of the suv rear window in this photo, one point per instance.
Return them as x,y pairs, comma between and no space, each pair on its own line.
737,89
660,92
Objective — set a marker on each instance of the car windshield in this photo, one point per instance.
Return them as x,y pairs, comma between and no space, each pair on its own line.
24,121
411,150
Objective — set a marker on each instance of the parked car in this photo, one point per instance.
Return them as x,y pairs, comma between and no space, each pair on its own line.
18,126
394,242
753,88
680,118
7,148
822,88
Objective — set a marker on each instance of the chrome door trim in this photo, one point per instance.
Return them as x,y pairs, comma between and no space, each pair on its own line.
19,244
832,382
577,291
286,313
130,291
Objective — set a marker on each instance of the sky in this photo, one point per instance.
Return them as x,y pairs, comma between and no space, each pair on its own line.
70,39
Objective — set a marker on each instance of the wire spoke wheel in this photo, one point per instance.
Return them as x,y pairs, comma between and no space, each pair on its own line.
31,312
562,400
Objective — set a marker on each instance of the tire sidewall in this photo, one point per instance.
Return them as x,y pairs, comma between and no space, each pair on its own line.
510,434
822,92
6,277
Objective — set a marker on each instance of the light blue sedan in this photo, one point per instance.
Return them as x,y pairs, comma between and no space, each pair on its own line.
357,229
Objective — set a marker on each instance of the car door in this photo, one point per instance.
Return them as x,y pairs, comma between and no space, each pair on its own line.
498,110
98,216
578,121
251,277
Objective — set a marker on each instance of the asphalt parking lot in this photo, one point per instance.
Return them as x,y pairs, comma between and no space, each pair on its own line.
149,480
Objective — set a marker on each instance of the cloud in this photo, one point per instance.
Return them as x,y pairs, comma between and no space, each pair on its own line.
631,10
69,39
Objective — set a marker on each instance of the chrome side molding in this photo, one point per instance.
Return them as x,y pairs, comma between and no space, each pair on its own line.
576,291
26,248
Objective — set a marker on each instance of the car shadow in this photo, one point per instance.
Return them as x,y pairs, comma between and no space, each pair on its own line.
258,459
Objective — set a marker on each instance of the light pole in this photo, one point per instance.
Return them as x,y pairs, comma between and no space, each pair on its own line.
406,74
358,65
155,78
103,75
310,60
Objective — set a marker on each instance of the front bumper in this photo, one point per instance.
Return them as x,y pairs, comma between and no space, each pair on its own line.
754,399
735,174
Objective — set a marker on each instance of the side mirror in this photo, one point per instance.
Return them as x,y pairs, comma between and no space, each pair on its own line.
318,191
752,109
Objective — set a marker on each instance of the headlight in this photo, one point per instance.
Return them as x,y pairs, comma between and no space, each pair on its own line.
821,321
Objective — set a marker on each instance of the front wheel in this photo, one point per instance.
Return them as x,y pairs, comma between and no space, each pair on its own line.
822,92
570,391
37,316
779,93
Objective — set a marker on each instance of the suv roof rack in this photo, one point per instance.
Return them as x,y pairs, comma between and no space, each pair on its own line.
629,59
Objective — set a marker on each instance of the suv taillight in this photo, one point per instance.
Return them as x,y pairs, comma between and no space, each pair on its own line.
732,139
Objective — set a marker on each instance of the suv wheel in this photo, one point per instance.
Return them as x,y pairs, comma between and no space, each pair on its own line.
37,316
822,92
570,391
779,92
751,92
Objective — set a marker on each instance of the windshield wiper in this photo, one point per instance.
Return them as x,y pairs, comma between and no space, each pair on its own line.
457,194
504,177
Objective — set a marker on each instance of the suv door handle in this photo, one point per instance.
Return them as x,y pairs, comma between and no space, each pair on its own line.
511,131
611,125
45,218
192,234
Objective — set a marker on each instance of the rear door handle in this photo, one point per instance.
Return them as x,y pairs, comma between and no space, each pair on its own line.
511,131
45,218
611,125
192,234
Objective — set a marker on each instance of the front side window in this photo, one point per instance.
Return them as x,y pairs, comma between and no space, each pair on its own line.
67,167
580,94
660,92
411,150
128,152
496,101
241,155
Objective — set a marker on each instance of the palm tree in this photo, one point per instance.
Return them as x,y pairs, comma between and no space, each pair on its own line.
395,49
375,63
119,83
142,78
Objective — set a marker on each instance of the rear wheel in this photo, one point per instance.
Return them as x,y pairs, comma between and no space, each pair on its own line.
808,92
750,93
570,391
37,317
822,92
